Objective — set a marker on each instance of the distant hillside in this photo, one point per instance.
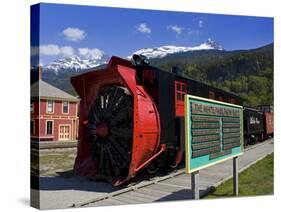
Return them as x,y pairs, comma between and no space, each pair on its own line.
248,73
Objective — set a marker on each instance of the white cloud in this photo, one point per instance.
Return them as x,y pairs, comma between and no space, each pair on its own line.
50,49
67,51
53,50
200,23
74,34
88,53
175,28
143,28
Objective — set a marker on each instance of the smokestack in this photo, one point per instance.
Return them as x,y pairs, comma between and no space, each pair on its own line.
176,70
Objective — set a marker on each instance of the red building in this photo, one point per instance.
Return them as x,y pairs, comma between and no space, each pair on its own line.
53,113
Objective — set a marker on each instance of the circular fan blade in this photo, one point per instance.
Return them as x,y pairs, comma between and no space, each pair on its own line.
110,130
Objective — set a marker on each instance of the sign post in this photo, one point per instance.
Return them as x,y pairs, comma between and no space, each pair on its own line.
213,134
195,185
235,176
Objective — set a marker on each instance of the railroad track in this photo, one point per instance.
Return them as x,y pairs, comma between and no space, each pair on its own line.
35,145
178,178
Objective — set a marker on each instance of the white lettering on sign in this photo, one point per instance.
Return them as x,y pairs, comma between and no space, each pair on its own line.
254,120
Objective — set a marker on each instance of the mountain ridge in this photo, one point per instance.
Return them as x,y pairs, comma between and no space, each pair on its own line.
248,73
80,64
74,64
163,51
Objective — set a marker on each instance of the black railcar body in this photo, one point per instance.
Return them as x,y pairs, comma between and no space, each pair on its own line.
253,125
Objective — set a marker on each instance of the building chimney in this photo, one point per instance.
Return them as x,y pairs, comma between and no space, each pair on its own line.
40,69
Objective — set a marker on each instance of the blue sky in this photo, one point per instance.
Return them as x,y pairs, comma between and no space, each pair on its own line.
86,30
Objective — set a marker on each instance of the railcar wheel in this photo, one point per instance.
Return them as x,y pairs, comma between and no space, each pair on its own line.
173,165
152,168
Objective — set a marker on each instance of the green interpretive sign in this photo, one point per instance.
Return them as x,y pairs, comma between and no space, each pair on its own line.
213,132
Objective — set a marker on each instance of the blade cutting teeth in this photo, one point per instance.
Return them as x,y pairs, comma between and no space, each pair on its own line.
106,101
102,102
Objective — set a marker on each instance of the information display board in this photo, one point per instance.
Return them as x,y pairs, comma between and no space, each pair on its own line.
213,132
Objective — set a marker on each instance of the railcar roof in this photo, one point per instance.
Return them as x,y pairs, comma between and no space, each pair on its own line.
252,109
200,82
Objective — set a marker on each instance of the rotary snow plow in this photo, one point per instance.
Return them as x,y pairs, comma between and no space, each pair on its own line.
119,126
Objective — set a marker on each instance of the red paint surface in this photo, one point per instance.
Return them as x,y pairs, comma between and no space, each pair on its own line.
40,117
269,122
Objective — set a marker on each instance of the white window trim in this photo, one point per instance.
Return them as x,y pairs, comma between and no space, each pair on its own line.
67,107
47,107
46,127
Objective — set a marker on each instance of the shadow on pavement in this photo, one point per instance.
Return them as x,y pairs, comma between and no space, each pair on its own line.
183,194
74,183
68,181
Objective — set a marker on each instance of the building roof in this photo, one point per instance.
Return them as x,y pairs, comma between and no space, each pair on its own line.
44,90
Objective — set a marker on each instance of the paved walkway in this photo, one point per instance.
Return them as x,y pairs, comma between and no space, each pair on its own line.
60,192
179,187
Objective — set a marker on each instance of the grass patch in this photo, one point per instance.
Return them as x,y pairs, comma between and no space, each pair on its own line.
57,163
256,180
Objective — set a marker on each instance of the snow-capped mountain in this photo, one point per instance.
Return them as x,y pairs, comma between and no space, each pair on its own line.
75,63
84,62
162,51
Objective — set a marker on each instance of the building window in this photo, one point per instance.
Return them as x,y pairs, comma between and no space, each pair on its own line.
32,107
183,88
49,127
178,86
32,127
64,107
50,106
